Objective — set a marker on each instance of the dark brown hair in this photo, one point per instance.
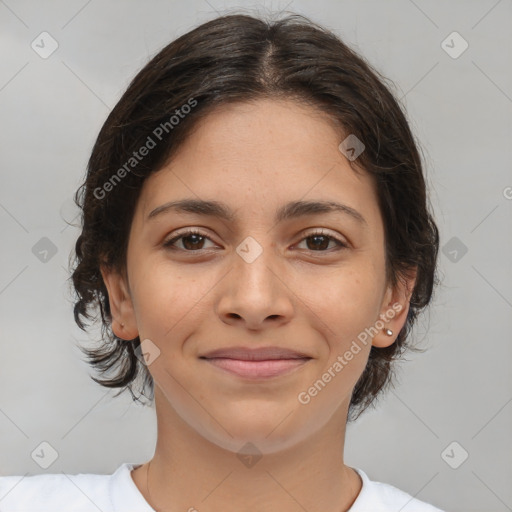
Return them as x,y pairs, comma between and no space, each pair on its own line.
241,58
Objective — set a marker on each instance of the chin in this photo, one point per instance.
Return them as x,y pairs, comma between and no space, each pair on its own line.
264,430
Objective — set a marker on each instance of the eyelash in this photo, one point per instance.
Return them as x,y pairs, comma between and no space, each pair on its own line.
169,243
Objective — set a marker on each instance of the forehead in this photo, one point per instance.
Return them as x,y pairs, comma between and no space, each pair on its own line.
258,156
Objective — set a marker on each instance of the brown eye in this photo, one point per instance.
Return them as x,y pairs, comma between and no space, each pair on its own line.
191,241
319,242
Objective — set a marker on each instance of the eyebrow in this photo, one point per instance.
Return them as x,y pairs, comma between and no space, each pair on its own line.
290,210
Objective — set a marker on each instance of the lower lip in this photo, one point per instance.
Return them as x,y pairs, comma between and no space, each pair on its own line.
257,369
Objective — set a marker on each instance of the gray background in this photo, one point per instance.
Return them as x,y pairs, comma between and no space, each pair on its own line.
460,110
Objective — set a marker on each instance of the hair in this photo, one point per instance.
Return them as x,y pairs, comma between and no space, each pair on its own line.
242,58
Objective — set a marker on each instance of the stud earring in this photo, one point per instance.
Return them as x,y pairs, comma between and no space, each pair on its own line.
389,332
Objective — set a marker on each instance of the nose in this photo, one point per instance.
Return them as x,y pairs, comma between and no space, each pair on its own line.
254,292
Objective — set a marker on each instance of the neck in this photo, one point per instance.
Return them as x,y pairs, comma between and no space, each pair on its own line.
188,472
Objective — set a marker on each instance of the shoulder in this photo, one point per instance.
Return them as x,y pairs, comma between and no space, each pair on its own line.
52,491
84,492
382,497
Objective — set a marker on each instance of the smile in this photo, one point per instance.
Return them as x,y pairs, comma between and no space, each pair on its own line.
260,369
256,363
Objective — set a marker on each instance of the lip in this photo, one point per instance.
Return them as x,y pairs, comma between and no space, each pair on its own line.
255,354
256,363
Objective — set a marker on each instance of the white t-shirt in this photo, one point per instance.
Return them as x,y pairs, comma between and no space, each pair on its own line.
60,492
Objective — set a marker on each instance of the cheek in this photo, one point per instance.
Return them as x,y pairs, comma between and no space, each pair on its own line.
344,303
342,311
169,301
168,297
345,309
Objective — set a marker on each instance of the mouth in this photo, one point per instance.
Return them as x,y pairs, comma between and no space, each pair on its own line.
259,363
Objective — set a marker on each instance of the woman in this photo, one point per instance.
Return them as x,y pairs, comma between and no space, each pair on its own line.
256,234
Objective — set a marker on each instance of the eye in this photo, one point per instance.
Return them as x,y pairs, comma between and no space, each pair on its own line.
320,241
192,240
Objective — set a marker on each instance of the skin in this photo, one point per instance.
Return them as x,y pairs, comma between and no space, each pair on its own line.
255,157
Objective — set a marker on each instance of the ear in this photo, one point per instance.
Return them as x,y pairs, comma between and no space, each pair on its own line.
124,323
394,309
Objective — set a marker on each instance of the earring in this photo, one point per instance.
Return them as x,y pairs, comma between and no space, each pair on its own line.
389,332
122,326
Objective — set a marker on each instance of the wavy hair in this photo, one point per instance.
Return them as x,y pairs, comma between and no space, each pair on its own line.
240,58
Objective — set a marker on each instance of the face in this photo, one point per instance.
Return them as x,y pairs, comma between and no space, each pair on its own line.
301,286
